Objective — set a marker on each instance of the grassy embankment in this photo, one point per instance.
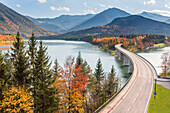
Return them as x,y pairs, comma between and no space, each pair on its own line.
162,102
159,45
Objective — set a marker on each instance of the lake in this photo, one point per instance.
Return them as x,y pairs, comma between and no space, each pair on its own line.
154,57
61,49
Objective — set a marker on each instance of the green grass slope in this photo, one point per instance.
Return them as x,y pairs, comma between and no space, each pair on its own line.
162,102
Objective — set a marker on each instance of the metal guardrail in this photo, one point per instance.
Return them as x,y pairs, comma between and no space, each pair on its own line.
149,63
163,77
153,68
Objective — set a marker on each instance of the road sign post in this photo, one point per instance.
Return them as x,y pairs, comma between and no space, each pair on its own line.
155,90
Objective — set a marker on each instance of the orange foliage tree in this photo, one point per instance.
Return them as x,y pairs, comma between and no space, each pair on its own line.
71,83
129,43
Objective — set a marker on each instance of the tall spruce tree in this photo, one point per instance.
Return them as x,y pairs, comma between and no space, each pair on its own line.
55,67
20,63
111,82
79,60
32,52
46,100
99,73
91,87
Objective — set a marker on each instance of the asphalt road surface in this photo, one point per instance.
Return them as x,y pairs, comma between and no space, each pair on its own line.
135,96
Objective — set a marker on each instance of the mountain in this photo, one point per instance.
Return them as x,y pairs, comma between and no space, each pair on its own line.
154,16
102,18
11,22
134,24
46,25
139,25
61,23
168,21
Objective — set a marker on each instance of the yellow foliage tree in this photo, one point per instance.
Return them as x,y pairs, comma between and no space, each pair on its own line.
16,100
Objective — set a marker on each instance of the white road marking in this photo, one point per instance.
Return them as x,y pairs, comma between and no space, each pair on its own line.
134,100
128,109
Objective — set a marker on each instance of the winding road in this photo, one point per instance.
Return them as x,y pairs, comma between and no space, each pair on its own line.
135,96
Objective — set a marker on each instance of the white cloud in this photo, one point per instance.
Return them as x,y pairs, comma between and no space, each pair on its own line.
42,1
167,5
85,4
161,12
110,6
52,8
89,11
18,5
60,8
152,2
102,5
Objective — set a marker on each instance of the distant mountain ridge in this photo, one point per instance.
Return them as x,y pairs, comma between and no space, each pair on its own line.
11,22
61,23
46,25
168,21
154,16
68,23
101,19
133,24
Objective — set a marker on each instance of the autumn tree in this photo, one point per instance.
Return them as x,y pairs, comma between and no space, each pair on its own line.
165,63
45,98
72,83
20,63
78,95
16,100
86,70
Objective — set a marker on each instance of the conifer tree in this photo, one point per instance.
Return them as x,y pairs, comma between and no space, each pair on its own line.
32,52
79,60
55,67
9,67
86,68
3,76
92,103
20,62
99,74
111,82
46,100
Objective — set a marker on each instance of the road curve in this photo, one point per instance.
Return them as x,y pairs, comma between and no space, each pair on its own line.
135,96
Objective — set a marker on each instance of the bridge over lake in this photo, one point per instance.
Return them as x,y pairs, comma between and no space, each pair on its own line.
135,96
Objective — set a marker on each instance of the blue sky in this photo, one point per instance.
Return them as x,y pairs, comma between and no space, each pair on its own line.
54,8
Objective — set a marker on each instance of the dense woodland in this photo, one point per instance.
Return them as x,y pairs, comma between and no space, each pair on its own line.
131,42
28,84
